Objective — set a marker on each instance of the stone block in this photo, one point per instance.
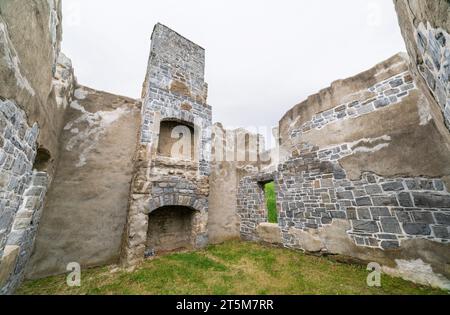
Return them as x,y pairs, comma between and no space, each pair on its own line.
442,218
378,212
431,200
390,225
363,201
405,200
403,216
386,245
365,226
441,231
423,217
416,228
393,186
386,201
344,195
364,214
373,189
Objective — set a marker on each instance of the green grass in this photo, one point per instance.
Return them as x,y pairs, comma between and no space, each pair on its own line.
271,202
231,268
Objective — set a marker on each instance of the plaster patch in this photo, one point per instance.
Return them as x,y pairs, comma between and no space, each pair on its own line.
87,137
419,272
357,147
424,111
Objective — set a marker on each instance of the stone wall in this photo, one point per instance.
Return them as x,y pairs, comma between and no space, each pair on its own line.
235,155
174,90
36,84
425,26
363,174
86,206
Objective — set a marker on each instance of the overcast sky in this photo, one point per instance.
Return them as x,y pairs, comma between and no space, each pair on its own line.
262,56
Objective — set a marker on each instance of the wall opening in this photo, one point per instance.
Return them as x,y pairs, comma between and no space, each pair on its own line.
42,160
176,140
270,201
170,228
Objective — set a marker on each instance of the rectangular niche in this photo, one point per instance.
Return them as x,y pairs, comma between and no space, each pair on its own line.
176,140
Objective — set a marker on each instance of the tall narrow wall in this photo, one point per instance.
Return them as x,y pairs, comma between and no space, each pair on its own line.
174,91
36,84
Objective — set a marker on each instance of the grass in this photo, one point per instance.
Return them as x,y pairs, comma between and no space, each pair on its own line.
231,268
271,202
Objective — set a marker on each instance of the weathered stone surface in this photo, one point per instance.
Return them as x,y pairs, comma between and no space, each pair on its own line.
269,233
417,228
390,225
442,218
7,263
431,200
405,200
365,226
425,27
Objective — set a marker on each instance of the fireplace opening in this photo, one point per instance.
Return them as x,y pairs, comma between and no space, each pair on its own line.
170,229
176,140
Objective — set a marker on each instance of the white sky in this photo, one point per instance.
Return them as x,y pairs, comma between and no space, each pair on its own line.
262,56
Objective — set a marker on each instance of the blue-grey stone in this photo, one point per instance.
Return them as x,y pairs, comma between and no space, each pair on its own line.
392,186
416,228
373,189
396,82
363,201
405,200
365,226
344,195
382,102
423,217
386,245
385,201
364,214
440,38
442,218
441,231
378,212
431,200
390,225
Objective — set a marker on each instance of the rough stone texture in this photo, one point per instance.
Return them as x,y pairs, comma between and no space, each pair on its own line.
86,206
425,26
174,90
384,172
235,154
30,36
36,84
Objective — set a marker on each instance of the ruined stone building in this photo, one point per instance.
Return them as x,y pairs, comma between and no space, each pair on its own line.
361,169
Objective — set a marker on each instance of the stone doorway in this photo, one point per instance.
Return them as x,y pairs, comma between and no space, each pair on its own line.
170,228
